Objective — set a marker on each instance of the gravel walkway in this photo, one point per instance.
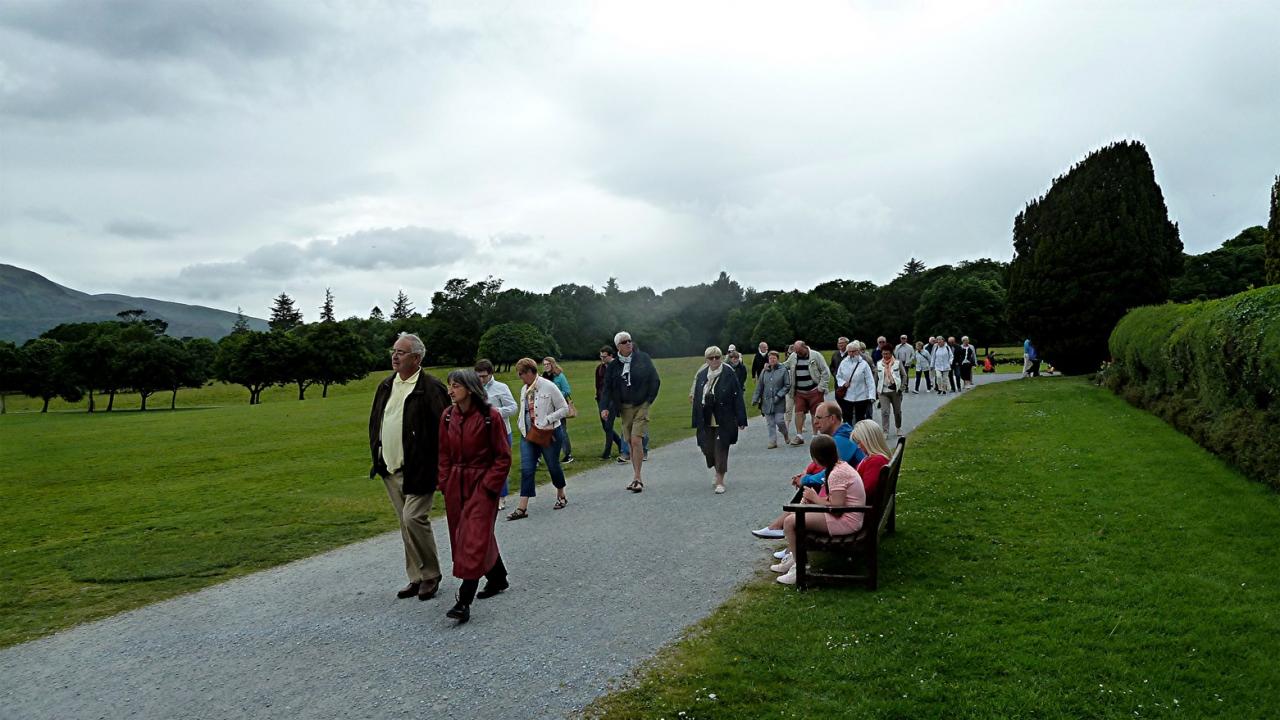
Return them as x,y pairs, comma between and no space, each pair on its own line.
597,588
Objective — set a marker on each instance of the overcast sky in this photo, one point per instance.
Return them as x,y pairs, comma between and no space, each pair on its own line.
220,153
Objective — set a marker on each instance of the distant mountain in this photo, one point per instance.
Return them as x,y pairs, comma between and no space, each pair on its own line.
31,303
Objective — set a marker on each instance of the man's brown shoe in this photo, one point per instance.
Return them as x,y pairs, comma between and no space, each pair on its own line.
427,589
408,591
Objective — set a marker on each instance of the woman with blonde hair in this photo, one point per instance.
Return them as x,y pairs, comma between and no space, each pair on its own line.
552,371
542,407
871,439
719,412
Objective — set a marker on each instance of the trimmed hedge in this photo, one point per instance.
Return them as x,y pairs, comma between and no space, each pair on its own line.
1210,369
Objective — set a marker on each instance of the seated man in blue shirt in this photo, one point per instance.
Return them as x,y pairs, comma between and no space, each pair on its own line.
827,421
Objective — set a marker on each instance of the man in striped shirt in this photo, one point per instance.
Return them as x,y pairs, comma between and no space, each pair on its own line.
809,378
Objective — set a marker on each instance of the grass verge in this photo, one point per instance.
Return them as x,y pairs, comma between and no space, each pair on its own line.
1059,555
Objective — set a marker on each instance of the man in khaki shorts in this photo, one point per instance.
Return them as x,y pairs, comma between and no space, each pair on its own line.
630,386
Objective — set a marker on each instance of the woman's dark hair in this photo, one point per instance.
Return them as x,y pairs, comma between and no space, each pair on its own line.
823,451
471,381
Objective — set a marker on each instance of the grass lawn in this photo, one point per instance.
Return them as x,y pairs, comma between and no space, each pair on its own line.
108,511
1059,554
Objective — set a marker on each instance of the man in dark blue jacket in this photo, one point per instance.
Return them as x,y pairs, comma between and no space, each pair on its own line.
630,386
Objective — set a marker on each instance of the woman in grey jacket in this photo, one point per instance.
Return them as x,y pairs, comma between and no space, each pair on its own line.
771,398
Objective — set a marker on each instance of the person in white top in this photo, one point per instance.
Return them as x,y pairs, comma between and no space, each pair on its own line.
541,409
500,398
856,384
941,362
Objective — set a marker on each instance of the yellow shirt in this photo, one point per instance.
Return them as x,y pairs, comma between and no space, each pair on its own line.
393,422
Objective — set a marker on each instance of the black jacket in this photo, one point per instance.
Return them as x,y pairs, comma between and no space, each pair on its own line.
422,409
643,388
729,408
758,362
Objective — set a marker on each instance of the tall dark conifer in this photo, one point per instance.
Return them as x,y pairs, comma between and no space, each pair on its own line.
284,316
1096,245
1273,239
403,308
326,310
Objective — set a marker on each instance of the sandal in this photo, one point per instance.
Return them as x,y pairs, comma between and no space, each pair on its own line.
560,503
636,486
518,514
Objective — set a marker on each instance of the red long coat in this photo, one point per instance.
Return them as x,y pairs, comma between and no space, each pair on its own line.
474,461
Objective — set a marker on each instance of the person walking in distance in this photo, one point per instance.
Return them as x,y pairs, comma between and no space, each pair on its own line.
501,399
922,367
610,437
968,358
542,407
941,362
759,360
404,428
630,386
891,382
771,398
475,454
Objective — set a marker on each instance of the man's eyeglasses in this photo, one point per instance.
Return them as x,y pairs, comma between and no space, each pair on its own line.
821,417
401,353
624,342
714,357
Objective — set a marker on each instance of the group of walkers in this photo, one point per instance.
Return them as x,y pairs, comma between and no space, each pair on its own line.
456,436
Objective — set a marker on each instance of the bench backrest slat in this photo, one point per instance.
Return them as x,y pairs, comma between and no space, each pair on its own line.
887,488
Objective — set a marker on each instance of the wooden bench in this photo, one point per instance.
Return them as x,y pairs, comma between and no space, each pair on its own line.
880,514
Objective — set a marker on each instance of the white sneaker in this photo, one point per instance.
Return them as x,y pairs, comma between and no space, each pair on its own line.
789,577
768,533
502,503
785,565
782,554
719,489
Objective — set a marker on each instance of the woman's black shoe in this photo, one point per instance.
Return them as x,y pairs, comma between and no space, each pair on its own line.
492,588
459,612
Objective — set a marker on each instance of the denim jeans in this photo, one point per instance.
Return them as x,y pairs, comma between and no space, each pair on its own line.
529,456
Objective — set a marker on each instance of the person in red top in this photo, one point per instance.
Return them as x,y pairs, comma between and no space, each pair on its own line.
871,439
474,458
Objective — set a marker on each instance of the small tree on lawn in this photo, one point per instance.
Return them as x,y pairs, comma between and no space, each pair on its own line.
43,372
773,328
339,354
506,343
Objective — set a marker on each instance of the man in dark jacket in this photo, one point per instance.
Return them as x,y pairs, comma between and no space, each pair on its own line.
630,386
404,441
760,360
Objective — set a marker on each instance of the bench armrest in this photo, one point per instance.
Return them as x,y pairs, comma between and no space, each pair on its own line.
806,508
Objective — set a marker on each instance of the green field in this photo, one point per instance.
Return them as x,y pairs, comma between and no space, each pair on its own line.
1059,554
108,511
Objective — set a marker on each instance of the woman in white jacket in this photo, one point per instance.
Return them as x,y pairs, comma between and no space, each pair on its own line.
941,365
891,382
542,407
858,383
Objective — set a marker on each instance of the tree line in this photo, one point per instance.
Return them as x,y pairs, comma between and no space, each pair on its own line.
1097,244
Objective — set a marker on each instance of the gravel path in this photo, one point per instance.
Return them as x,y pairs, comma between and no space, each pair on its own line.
597,588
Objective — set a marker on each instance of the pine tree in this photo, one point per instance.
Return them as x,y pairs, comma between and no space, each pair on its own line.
1273,239
326,310
403,309
1096,245
376,314
284,316
241,324
913,267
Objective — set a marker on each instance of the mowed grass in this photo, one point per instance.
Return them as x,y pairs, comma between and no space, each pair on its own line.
108,511
1059,554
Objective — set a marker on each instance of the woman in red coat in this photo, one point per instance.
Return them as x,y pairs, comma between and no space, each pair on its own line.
474,459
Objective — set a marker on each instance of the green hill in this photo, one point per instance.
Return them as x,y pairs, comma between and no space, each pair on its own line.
31,303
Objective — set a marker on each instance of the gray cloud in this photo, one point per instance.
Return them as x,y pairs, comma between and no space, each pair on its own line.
404,249
142,229
51,216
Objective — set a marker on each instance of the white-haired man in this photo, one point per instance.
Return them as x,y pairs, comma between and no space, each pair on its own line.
630,386
404,439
